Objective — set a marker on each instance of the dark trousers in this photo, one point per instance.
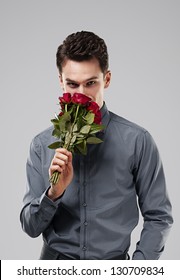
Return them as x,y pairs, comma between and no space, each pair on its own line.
49,253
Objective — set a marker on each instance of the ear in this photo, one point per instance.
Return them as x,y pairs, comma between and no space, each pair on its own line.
61,82
107,79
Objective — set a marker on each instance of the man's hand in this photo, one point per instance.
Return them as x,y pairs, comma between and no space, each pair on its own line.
62,162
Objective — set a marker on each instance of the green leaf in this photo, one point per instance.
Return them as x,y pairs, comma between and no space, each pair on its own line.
75,128
67,138
55,145
80,136
79,141
55,121
73,139
63,120
62,125
66,116
82,147
89,117
85,129
96,128
80,122
94,140
68,126
56,133
56,126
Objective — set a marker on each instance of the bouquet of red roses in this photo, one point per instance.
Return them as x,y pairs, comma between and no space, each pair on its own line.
76,125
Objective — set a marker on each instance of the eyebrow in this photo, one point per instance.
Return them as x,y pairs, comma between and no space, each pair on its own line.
89,79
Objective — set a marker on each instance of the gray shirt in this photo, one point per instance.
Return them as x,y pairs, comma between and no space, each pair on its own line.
98,211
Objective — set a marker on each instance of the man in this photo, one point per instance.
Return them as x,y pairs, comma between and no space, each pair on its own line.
91,212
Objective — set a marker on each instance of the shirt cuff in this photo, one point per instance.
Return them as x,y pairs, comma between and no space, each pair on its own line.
44,199
138,256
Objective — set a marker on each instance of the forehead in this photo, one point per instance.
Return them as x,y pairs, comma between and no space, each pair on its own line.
82,70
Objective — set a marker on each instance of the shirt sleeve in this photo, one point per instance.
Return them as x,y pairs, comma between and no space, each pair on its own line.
153,200
38,209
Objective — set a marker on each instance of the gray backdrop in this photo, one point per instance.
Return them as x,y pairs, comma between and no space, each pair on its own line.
144,44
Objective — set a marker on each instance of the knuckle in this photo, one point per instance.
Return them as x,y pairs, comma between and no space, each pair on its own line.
58,149
61,150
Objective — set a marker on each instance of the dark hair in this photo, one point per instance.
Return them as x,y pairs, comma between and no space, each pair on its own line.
80,46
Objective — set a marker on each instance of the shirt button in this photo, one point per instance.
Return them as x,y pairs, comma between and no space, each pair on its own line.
85,223
84,248
84,204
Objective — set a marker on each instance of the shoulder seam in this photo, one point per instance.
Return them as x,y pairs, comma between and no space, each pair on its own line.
129,124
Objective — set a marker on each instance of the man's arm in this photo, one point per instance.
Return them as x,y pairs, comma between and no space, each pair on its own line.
153,200
41,201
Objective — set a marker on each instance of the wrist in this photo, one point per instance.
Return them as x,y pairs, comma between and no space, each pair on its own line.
54,195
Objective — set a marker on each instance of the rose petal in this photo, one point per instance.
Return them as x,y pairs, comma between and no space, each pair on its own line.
80,98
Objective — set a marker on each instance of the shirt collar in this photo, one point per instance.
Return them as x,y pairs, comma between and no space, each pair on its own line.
105,116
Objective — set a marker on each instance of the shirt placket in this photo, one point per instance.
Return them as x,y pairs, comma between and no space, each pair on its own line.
83,207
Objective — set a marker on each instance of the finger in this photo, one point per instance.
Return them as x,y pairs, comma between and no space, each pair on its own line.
61,157
69,157
62,151
55,168
60,162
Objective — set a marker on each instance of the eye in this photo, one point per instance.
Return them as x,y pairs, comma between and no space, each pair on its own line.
90,83
72,85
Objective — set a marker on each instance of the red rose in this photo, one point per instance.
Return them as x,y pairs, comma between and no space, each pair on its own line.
66,98
97,118
93,106
80,98
61,113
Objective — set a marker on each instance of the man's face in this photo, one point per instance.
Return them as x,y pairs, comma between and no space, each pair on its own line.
85,77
